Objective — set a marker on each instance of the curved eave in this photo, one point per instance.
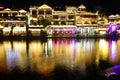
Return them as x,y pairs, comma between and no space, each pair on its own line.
44,6
22,11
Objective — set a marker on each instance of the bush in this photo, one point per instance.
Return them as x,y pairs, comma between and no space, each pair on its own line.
43,33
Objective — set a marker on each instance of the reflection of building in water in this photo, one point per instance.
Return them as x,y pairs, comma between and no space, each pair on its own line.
88,45
70,53
7,45
117,50
113,48
45,65
36,48
40,58
20,46
2,59
12,57
84,53
104,50
15,53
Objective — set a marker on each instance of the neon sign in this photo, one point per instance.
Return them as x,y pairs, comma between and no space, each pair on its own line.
112,28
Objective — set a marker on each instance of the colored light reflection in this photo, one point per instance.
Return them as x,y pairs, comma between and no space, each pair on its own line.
103,47
113,50
2,59
12,58
72,47
71,53
50,52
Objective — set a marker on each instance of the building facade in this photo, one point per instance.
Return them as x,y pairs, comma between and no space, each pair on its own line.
73,21
13,22
86,22
70,21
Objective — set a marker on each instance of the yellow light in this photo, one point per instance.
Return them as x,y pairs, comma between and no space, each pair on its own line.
1,26
102,32
6,29
7,45
103,47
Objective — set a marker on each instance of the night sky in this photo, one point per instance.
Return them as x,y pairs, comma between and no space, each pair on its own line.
106,6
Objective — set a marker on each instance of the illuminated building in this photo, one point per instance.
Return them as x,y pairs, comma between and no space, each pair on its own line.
102,25
69,21
13,20
86,22
64,21
73,21
115,19
36,15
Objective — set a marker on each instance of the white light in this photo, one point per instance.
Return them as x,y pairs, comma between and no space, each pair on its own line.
6,29
102,32
1,26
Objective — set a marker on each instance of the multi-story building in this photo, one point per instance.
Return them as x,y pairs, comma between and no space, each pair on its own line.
68,21
86,22
63,22
59,21
102,25
38,17
71,21
115,19
13,22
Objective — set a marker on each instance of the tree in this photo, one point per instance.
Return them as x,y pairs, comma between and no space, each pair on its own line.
32,22
43,33
39,22
45,22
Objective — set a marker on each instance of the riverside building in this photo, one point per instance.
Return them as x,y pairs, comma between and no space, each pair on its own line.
72,21
116,20
13,22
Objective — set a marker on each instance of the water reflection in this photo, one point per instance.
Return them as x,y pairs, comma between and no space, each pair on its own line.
104,49
12,58
43,57
113,49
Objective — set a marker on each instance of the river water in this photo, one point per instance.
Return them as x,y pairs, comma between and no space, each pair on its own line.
57,59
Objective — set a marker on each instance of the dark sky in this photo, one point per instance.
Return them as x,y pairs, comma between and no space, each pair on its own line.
108,6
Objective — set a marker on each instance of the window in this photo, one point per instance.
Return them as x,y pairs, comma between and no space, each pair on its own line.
24,14
34,12
5,15
70,23
14,14
86,30
63,23
6,25
49,12
63,17
70,17
56,23
0,14
55,17
94,22
41,12
21,25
